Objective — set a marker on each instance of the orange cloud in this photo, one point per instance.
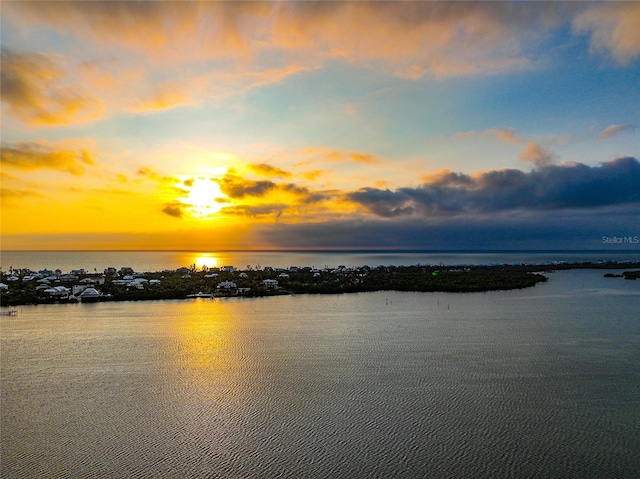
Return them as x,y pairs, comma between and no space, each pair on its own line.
31,156
337,156
532,151
536,154
614,27
164,96
35,89
614,130
263,169
408,39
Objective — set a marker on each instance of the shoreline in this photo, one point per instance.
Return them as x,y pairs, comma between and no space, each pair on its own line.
24,287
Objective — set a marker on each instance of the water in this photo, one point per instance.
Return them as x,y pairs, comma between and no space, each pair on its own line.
535,383
160,260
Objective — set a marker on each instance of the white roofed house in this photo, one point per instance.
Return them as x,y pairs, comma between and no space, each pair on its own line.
90,295
58,292
76,289
227,285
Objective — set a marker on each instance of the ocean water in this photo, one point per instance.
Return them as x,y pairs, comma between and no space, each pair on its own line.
536,383
160,260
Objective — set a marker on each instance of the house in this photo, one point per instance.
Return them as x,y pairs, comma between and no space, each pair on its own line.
227,285
77,289
90,295
283,275
68,277
270,284
58,292
227,269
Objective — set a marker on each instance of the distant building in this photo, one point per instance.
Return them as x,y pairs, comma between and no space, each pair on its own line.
89,295
270,284
58,292
227,285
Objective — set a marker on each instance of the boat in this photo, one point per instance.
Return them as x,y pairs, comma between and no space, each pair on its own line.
11,312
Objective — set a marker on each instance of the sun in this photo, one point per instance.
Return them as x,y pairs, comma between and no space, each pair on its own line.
204,198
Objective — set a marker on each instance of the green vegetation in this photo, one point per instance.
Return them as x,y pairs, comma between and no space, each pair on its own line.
28,287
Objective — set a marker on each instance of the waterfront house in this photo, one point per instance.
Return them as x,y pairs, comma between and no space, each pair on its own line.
270,284
89,295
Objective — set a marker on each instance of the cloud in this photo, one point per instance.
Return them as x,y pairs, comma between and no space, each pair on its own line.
11,194
438,38
31,156
146,172
614,130
37,93
532,152
536,154
551,187
237,187
337,156
613,28
253,211
173,209
164,96
534,230
264,169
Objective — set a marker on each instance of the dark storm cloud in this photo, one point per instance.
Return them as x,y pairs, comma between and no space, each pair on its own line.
567,186
559,230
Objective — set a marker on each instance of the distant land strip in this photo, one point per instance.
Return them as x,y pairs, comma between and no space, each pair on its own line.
23,286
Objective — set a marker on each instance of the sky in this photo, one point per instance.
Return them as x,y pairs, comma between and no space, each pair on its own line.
320,125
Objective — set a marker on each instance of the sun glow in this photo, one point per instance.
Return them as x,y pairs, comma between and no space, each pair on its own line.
205,261
205,198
